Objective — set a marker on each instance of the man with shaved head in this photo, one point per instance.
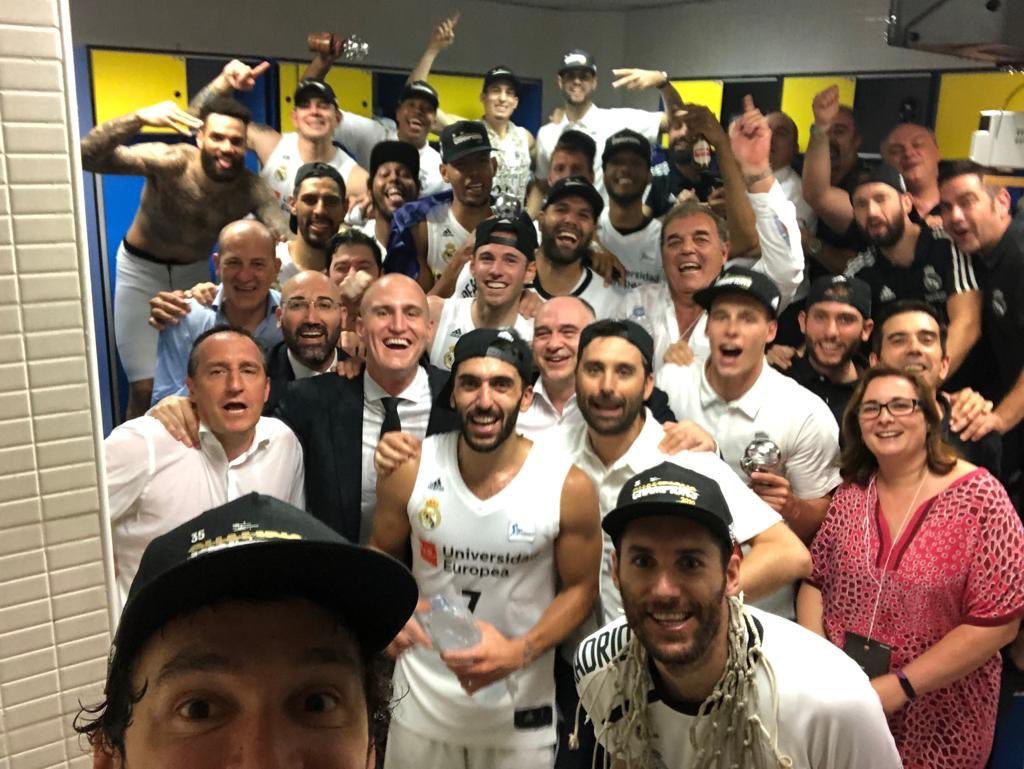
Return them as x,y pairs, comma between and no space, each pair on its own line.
246,270
339,421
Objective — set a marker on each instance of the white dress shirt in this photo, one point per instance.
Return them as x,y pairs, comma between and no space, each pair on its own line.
542,422
155,483
302,371
414,412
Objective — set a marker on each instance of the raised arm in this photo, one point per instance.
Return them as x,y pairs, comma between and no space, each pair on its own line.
640,79
390,530
268,210
239,76
831,204
103,150
442,36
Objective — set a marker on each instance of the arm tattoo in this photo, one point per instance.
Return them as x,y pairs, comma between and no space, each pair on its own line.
206,94
101,143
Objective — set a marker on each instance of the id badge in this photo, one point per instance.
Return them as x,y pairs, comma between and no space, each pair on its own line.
872,656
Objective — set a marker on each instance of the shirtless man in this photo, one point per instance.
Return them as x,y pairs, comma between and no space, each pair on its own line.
191,192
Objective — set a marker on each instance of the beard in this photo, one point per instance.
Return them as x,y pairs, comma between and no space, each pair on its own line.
557,255
508,426
623,199
313,356
845,357
631,409
681,155
893,232
708,619
215,172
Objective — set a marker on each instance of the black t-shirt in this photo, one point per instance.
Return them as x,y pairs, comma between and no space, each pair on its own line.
939,271
853,238
987,452
1001,278
835,394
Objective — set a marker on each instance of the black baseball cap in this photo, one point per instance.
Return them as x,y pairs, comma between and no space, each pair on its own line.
397,152
577,58
632,332
257,545
575,185
627,140
671,490
501,343
314,171
518,232
419,89
839,288
309,89
742,280
501,75
462,138
884,174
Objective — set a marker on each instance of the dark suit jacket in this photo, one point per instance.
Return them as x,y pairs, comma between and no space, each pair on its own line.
280,373
326,413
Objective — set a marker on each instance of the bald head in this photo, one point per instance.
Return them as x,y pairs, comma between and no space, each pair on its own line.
394,284
394,324
310,316
556,335
252,231
310,281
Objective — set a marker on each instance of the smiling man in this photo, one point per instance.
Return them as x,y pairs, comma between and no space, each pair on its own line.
155,483
243,643
246,268
317,205
502,263
690,676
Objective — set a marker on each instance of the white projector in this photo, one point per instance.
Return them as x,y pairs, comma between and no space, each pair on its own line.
999,140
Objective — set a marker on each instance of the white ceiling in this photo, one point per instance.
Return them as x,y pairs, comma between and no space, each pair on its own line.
598,5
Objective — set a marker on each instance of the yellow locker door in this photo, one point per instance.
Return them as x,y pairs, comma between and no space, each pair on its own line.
961,97
798,92
459,95
123,81
353,87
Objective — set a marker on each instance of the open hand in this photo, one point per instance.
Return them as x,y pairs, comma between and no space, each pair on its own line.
167,114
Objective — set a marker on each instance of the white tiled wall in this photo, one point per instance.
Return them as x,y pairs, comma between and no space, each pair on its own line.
53,609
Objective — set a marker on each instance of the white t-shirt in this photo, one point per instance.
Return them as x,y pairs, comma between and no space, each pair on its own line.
829,716
500,552
465,285
156,483
639,252
797,420
360,134
457,319
591,288
280,168
751,515
599,123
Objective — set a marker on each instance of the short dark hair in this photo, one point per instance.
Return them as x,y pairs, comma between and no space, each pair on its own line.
222,328
350,236
106,723
577,141
857,464
952,169
901,307
691,207
225,105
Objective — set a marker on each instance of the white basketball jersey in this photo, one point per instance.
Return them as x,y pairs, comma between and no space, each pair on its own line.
283,163
499,554
444,237
639,252
457,319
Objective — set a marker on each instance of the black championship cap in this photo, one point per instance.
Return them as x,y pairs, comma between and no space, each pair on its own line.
501,343
884,174
309,89
314,171
519,232
463,138
577,58
259,545
839,288
743,281
575,185
501,75
627,140
419,89
669,489
397,152
632,332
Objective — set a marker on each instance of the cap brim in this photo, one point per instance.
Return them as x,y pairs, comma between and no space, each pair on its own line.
615,523
706,297
459,154
332,574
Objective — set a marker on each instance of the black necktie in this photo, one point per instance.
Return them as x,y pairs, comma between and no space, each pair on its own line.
392,422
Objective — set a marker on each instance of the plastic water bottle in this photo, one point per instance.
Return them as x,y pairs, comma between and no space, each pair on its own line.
452,627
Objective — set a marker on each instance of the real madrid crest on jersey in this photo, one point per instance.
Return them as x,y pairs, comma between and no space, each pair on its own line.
932,281
449,358
998,303
430,514
281,173
449,252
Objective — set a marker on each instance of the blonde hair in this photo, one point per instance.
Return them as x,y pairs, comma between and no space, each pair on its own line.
729,731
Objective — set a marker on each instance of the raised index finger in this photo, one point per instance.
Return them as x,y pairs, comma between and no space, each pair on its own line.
748,103
260,68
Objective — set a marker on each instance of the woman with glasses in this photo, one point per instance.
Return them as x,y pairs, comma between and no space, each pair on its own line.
918,573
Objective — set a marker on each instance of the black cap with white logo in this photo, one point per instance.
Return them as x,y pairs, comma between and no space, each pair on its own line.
502,343
578,186
741,280
839,288
313,89
671,490
419,89
627,140
463,138
577,58
518,232
501,75
256,546
395,152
